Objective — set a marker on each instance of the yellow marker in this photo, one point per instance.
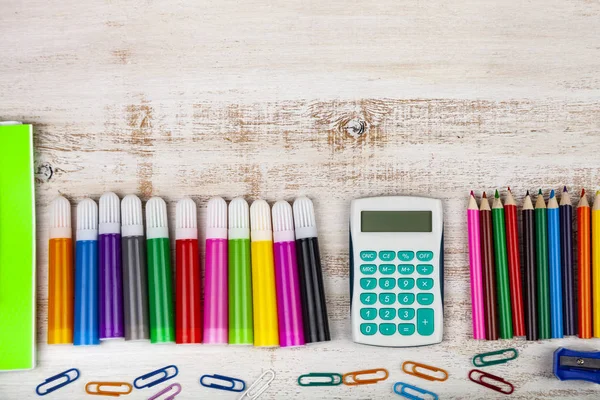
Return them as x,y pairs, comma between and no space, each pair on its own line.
596,264
266,331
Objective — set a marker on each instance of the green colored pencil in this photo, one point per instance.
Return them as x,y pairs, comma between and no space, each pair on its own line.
543,280
504,310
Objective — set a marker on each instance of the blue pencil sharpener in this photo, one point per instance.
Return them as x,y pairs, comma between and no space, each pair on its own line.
577,365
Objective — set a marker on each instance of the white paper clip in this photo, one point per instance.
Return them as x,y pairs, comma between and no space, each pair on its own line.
249,394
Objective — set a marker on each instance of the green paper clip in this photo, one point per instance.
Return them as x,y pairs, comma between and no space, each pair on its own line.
509,354
315,379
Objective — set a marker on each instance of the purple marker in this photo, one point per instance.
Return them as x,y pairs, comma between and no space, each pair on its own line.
289,305
110,288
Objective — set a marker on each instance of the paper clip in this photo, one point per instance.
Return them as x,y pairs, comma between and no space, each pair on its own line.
64,374
429,395
100,392
413,371
510,354
165,376
355,380
313,379
480,380
166,390
233,383
258,391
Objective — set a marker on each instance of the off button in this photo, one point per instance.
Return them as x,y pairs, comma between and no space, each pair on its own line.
424,255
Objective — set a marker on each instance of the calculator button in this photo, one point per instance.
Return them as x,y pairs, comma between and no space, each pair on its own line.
387,255
406,299
406,255
368,255
387,269
425,298
406,314
368,283
406,329
425,283
387,283
368,298
368,329
368,269
425,323
387,329
387,298
424,269
424,255
368,313
387,313
406,283
406,269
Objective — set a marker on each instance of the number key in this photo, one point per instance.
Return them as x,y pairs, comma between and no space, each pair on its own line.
406,283
387,283
406,299
368,298
368,283
387,313
387,298
368,313
406,314
368,329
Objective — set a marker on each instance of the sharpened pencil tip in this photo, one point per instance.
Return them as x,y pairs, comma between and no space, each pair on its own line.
565,189
597,192
552,194
540,191
472,194
509,189
484,195
582,192
527,194
496,195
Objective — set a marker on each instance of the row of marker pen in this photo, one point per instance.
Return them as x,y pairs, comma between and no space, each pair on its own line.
543,305
263,280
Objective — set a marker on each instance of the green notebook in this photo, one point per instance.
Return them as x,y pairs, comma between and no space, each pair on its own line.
17,248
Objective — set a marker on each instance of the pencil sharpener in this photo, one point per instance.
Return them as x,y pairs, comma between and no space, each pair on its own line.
577,365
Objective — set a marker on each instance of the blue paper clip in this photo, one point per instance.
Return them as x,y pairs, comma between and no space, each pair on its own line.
64,374
410,396
577,365
233,382
165,376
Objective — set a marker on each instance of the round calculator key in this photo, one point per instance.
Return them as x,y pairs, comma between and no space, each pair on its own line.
368,314
387,298
387,255
425,283
387,269
368,298
368,283
406,283
368,329
368,269
387,329
406,299
424,269
406,329
406,255
424,255
406,314
425,298
368,255
406,269
387,283
387,314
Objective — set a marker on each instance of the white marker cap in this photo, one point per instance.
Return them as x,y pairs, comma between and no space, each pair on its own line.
304,218
157,225
239,219
216,219
110,214
283,222
60,219
132,217
87,220
260,221
186,219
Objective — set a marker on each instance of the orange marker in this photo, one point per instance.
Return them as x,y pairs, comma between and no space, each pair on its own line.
584,267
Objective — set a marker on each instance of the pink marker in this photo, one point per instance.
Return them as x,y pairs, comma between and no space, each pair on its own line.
475,264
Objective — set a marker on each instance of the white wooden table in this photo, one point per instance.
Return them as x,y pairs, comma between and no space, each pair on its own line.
332,99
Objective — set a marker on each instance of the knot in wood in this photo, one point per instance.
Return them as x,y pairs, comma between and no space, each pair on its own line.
355,127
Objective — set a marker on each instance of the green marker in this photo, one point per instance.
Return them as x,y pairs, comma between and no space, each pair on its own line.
240,274
160,292
543,280
504,310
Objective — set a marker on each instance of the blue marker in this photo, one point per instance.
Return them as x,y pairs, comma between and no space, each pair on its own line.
85,331
556,310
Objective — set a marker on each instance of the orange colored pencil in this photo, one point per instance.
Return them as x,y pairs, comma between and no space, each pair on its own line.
584,267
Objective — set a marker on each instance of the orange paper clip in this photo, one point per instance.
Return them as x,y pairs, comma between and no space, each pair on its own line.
410,367
356,380
125,388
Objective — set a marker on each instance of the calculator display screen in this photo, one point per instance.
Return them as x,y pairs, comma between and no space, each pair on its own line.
395,221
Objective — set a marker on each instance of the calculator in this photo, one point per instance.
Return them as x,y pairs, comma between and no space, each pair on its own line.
396,271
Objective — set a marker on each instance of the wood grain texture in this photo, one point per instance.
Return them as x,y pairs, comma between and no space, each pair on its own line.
334,100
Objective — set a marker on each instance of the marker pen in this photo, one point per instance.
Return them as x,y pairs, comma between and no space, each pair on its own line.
289,305
60,273
240,273
135,277
160,291
85,330
188,314
266,332
110,272
314,305
216,297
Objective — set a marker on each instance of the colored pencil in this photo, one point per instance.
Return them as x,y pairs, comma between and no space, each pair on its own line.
596,264
566,253
514,264
584,267
531,315
487,262
543,285
505,313
477,307
554,258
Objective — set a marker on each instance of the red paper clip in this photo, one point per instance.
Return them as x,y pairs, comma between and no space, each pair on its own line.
507,389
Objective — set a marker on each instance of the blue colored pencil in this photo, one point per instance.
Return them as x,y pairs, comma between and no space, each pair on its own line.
556,311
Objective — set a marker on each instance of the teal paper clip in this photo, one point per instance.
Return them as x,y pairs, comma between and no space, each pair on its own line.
64,378
320,379
400,389
508,354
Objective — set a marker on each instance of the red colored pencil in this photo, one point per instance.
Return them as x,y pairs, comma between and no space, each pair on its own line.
584,267
514,264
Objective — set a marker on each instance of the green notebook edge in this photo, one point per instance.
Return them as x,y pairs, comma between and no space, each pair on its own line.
17,248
